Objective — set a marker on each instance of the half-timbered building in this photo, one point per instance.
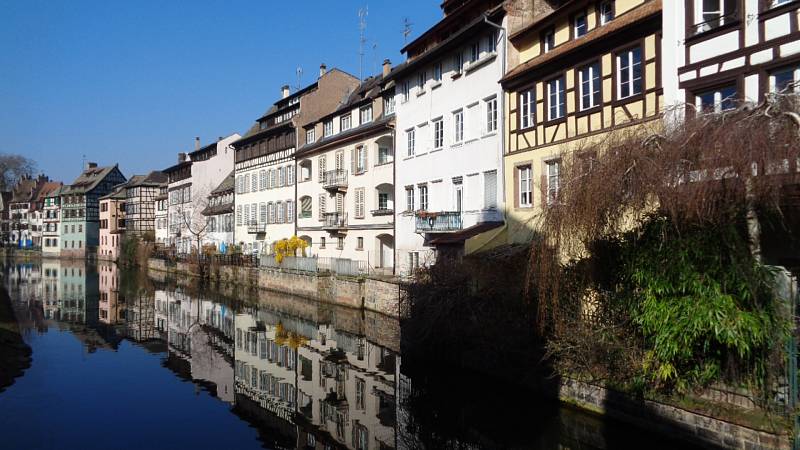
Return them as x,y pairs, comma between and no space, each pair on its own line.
140,203
727,52
80,209
579,69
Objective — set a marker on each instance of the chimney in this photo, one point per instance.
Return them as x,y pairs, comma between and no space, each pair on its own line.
219,138
181,157
91,165
197,143
387,67
285,91
323,69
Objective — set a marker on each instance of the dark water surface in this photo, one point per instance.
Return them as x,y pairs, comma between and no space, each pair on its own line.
122,361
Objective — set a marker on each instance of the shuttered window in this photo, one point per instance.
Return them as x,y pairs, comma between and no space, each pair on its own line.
359,203
262,216
289,211
322,201
262,180
322,162
490,189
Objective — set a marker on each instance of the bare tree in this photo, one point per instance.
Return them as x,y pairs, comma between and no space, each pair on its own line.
193,222
12,168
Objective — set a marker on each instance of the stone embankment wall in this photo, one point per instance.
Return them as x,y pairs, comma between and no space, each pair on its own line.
669,420
373,295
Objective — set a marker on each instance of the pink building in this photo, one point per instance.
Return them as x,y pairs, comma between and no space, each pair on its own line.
112,223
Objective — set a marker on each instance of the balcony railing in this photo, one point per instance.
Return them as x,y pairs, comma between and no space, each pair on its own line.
383,212
335,221
438,222
334,179
255,228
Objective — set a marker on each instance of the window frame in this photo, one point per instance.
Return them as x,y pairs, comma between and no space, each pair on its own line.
561,98
458,126
524,191
438,133
618,70
599,93
527,117
601,19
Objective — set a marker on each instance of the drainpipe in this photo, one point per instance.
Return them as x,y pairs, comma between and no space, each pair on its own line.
394,196
501,171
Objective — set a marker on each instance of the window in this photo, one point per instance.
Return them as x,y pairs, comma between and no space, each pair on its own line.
491,115
289,211
458,124
422,78
525,176
310,138
438,133
322,200
262,213
273,178
384,155
271,212
366,114
345,123
289,175
383,200
490,189
629,73
437,72
321,245
580,26
423,197
716,100
474,52
590,86
784,79
262,180
556,96
360,243
405,89
410,198
710,14
321,163
359,203
339,243
281,177
410,141
527,104
388,104
360,159
606,11
549,40
246,184
553,181
280,212
327,128
458,62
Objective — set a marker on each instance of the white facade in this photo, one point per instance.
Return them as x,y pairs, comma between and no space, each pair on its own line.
449,138
51,226
265,206
188,197
739,52
345,187
162,217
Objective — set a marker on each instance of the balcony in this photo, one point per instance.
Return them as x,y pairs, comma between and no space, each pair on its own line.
255,228
334,180
383,212
438,222
335,221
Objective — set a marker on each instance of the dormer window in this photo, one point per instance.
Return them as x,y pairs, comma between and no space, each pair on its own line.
310,138
366,114
388,104
327,128
580,27
606,11
262,125
346,122
549,40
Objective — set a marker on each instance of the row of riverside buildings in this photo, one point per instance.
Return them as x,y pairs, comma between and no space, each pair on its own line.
456,149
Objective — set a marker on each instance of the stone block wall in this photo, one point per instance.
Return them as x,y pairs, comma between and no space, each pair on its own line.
669,420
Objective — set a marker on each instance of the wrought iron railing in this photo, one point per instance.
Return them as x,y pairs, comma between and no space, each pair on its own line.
438,222
335,220
334,179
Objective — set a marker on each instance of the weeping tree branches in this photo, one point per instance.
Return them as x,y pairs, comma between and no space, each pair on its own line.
652,247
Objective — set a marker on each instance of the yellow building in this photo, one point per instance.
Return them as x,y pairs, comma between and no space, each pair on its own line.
578,70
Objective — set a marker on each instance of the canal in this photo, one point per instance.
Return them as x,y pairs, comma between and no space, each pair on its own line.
122,360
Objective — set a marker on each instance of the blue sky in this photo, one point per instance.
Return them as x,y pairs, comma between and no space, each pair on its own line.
134,82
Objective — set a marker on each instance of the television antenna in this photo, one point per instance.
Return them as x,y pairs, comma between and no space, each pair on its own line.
362,27
406,29
299,77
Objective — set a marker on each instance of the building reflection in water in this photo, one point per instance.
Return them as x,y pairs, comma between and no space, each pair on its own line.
305,376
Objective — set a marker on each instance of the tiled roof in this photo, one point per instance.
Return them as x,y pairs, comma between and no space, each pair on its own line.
89,179
636,15
226,185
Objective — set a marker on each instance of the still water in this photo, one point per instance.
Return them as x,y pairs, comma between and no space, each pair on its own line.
121,360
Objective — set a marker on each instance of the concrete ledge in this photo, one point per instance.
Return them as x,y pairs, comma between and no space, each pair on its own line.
669,420
373,295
